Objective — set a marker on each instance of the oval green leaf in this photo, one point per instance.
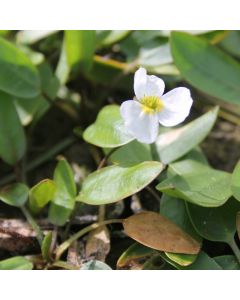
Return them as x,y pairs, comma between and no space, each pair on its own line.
206,67
41,194
12,137
215,224
15,194
197,183
235,184
177,142
80,46
114,183
18,76
108,131
64,197
16,263
227,262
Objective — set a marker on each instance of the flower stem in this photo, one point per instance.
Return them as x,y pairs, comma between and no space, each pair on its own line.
65,245
33,223
235,249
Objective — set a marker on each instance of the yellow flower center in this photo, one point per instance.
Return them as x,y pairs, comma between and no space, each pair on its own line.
152,104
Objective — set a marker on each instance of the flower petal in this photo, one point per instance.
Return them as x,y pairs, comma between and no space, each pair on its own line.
145,85
144,127
177,105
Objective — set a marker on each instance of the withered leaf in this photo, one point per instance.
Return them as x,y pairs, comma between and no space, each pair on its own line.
98,243
155,231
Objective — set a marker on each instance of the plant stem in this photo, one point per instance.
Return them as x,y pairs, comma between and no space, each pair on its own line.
65,245
33,223
235,248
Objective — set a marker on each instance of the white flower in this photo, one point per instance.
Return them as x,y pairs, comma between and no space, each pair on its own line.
143,114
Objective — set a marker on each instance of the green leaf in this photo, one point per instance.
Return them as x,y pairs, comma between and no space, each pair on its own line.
202,262
197,183
80,46
106,38
64,198
235,185
135,252
16,263
114,183
32,36
231,43
18,76
12,137
62,70
206,67
175,210
41,194
227,262
182,259
49,82
95,265
108,131
29,110
15,194
45,247
177,142
131,154
215,224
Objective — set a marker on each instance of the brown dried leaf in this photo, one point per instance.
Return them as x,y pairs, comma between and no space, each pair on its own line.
157,232
98,244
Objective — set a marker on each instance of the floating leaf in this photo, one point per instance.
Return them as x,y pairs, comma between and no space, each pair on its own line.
157,232
45,247
215,224
64,198
95,265
80,46
227,262
41,194
235,185
12,137
177,142
133,254
108,131
16,263
197,183
206,67
114,183
15,194
18,76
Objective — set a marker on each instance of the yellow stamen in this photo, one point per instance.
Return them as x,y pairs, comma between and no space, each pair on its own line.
152,104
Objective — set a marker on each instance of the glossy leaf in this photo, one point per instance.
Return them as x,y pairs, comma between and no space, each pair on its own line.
45,247
64,198
108,131
182,259
235,184
157,232
80,46
177,142
131,154
15,194
95,265
114,183
16,263
215,224
41,194
206,67
135,252
197,183
18,76
202,262
12,137
227,262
